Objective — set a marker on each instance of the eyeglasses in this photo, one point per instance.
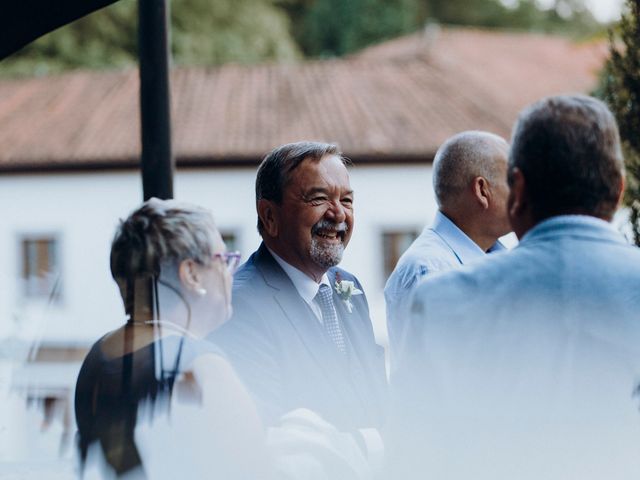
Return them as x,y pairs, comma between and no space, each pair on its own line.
231,260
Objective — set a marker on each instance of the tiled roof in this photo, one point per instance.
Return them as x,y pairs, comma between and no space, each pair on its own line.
393,102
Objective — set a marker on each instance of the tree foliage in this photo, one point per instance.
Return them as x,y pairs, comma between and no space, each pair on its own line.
105,38
336,27
211,32
621,90
221,31
202,32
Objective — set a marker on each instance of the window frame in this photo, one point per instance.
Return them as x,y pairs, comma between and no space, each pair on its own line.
409,229
55,291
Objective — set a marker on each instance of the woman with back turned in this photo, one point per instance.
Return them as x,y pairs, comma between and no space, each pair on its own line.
174,276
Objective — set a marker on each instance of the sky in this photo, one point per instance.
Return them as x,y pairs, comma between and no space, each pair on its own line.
606,10
603,10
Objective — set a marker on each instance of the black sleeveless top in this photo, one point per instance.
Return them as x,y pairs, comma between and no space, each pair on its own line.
110,390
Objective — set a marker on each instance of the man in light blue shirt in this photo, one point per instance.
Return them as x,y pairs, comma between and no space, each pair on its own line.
469,180
527,366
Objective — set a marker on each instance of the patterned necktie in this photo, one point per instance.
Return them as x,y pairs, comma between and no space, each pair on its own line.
324,298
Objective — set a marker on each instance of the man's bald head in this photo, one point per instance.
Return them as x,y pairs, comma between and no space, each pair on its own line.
464,157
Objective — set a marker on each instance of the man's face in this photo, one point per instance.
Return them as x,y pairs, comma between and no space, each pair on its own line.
315,219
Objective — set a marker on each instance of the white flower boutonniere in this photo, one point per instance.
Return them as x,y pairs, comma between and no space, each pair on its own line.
345,290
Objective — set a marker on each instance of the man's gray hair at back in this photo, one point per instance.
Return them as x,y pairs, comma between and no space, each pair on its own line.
568,149
462,158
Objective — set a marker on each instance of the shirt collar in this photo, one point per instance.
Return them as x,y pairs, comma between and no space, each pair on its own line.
583,225
497,247
307,287
465,249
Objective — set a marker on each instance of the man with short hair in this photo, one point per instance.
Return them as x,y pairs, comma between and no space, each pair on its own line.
470,184
525,366
301,335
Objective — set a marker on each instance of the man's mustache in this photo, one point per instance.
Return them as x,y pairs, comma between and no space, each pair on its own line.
327,225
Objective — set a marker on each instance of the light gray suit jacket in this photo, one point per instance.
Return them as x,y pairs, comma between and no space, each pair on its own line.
526,366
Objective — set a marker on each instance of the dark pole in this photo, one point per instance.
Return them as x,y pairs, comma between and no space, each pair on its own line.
155,113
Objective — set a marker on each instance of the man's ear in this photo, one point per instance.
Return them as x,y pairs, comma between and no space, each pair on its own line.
189,275
268,213
517,202
482,192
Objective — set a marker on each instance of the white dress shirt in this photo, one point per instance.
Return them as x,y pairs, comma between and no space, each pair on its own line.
306,286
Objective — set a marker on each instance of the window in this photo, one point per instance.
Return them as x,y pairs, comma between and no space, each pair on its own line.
230,240
40,267
394,243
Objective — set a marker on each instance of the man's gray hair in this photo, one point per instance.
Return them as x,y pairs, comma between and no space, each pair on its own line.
462,158
277,165
568,150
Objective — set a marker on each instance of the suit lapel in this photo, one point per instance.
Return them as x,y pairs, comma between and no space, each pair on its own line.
350,322
298,313
357,327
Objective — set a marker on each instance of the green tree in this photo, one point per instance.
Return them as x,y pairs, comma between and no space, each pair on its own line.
621,90
486,13
209,32
203,32
567,16
104,38
337,27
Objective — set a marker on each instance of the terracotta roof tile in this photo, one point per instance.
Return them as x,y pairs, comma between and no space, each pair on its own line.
398,100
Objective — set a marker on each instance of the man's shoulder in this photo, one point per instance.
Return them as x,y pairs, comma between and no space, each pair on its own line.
428,254
247,274
473,283
254,272
609,248
532,270
250,285
249,301
430,250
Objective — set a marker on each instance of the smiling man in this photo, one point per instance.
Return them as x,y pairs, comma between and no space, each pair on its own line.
301,335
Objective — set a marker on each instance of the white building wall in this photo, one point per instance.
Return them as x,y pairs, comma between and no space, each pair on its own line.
83,210
386,198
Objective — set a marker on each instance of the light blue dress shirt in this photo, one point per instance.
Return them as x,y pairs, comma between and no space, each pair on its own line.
525,366
439,248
